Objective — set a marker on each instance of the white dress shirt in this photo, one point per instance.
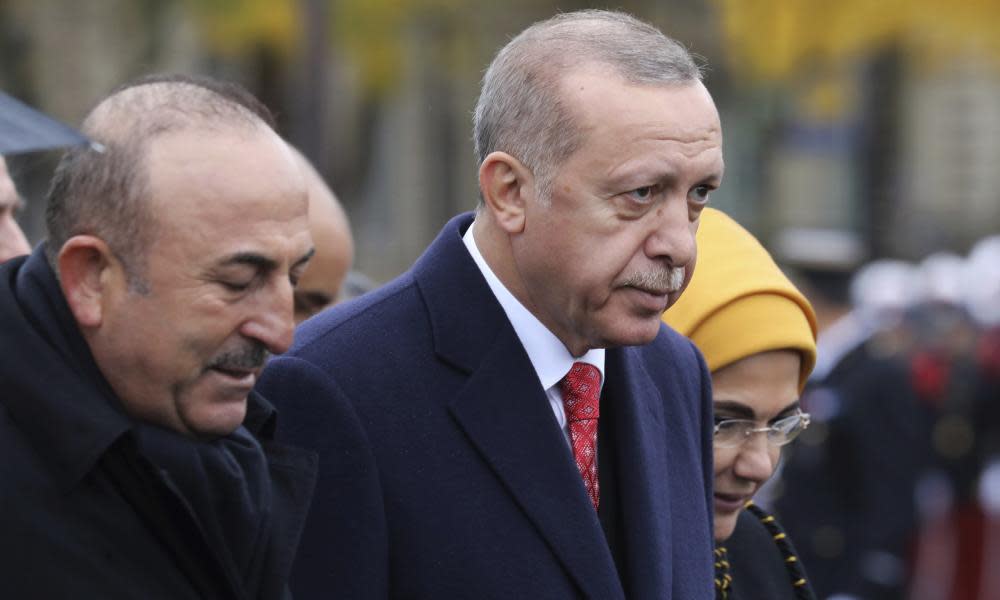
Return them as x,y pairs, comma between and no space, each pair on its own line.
548,355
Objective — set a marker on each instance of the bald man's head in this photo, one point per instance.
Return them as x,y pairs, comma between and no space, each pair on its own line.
102,189
319,287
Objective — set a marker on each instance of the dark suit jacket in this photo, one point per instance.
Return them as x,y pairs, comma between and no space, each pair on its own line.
443,472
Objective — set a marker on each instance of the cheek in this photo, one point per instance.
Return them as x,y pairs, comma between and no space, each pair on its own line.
625,255
775,454
557,266
191,338
723,460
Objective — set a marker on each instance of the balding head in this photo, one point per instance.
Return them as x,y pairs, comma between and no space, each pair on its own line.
320,286
102,189
178,245
521,108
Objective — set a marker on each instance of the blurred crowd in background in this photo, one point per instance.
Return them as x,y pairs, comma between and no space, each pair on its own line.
894,491
861,141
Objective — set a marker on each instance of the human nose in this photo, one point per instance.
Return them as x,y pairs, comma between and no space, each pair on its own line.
273,323
756,457
672,237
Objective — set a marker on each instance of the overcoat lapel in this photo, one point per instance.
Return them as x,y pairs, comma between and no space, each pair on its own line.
506,415
509,421
643,474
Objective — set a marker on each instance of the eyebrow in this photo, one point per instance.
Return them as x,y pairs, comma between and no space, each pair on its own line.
742,411
713,178
305,257
260,261
631,174
251,259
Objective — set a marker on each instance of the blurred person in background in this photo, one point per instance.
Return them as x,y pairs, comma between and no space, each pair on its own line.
510,418
12,240
956,371
137,462
24,129
758,335
356,284
983,300
321,285
846,490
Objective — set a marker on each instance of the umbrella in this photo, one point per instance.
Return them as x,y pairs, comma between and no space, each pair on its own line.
24,129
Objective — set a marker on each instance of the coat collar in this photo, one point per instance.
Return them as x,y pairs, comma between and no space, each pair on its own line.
464,314
502,402
52,387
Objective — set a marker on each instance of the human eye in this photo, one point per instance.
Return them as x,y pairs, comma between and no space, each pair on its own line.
642,194
235,286
237,280
729,432
723,425
788,428
700,193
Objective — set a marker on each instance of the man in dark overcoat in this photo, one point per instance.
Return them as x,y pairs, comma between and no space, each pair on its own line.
509,418
137,462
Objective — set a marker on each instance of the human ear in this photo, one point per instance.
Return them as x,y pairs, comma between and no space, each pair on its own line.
506,184
85,270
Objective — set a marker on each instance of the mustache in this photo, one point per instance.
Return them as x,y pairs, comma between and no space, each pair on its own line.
661,282
251,355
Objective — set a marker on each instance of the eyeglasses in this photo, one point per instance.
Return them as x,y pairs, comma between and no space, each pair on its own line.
730,433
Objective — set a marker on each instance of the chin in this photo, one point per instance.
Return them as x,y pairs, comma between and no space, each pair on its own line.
724,528
639,332
219,421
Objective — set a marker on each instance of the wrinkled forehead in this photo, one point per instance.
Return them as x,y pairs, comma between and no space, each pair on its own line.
623,118
595,89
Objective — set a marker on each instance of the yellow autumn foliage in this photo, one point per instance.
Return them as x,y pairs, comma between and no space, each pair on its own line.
779,39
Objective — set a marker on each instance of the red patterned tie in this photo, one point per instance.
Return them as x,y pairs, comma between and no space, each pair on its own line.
581,392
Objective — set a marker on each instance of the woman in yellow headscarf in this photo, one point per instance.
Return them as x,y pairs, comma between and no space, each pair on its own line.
758,335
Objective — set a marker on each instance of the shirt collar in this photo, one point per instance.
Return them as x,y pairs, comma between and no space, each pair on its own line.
547,353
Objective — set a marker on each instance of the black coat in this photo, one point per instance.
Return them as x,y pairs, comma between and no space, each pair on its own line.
758,565
849,479
84,514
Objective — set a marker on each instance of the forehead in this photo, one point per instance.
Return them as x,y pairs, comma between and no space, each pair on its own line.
615,114
766,382
224,188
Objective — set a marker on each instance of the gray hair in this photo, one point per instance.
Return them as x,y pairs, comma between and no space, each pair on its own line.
102,189
520,110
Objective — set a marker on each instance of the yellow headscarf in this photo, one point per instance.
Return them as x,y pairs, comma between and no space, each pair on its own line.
739,303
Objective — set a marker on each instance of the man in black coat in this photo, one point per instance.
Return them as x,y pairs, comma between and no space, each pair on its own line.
137,463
